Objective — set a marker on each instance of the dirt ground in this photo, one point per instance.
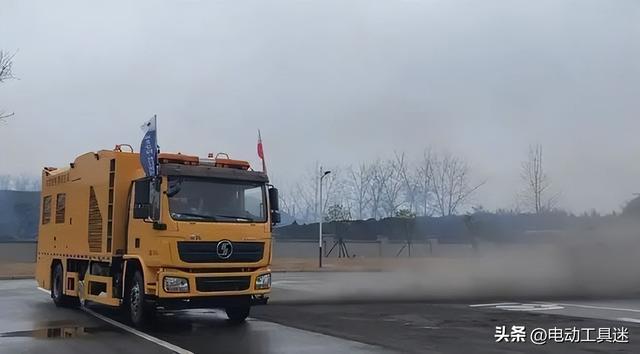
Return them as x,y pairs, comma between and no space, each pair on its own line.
17,270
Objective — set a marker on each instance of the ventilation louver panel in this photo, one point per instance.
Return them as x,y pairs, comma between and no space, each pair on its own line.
95,223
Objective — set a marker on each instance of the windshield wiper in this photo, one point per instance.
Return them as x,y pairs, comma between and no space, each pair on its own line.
193,215
234,217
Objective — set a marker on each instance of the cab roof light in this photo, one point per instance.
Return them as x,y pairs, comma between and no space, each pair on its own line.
221,160
229,163
178,158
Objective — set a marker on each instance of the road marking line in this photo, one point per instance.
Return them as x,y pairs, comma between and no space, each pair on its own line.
532,308
599,307
134,331
494,304
131,330
627,319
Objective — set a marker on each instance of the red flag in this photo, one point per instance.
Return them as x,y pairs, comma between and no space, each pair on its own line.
260,151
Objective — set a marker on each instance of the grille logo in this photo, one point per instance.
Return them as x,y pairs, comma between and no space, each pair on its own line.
224,249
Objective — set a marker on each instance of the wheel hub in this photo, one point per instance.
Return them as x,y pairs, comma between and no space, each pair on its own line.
135,299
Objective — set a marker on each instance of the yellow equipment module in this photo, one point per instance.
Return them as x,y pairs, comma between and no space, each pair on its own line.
197,235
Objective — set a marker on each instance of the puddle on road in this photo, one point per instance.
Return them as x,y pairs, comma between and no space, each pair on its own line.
60,332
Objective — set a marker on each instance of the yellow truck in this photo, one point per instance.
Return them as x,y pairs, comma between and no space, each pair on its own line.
197,234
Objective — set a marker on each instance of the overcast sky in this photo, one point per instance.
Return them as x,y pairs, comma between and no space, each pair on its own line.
337,82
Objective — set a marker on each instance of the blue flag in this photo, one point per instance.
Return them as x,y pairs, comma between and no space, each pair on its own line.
149,148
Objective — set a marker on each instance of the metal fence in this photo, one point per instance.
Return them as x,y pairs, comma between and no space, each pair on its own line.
382,248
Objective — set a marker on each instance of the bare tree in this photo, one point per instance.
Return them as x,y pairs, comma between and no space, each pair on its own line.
333,190
359,185
379,176
423,181
304,196
287,203
22,182
25,182
6,65
337,212
392,184
536,182
410,178
439,183
450,183
5,182
301,199
6,73
304,202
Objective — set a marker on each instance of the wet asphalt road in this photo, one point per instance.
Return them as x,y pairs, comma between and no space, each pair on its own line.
30,323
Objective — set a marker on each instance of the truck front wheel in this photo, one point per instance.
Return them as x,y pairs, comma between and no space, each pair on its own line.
238,314
140,312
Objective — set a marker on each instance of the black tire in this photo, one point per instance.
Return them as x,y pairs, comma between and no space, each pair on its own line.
141,312
238,314
57,289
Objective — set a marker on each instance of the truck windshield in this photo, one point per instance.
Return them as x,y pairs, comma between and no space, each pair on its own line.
208,200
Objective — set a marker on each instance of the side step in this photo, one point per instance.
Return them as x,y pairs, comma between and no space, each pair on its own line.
99,289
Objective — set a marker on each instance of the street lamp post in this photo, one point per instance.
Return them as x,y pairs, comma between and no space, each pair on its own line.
322,175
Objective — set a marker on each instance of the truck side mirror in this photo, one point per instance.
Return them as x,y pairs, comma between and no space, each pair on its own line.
275,217
273,199
273,203
141,201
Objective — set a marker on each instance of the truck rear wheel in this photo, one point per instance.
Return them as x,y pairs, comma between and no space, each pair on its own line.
57,289
140,312
238,314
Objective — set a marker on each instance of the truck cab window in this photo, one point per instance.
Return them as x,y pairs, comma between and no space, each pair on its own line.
209,200
253,202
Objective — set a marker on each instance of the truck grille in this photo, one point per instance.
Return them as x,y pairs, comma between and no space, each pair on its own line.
209,284
205,252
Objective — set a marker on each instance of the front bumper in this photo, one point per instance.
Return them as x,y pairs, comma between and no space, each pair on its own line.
209,302
213,284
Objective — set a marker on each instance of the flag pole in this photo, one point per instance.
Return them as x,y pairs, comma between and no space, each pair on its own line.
155,121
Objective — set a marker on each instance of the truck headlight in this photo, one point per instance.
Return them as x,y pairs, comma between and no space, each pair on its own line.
263,281
176,285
